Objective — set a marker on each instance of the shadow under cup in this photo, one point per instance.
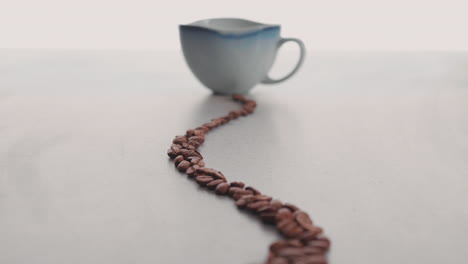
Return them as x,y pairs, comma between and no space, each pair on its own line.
229,64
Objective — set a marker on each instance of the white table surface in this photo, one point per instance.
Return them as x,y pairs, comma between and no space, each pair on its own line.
373,145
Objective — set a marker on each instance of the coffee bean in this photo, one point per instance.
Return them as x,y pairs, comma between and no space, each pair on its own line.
203,180
319,244
178,159
233,190
183,166
241,203
171,153
295,243
278,245
176,147
266,209
285,224
207,171
304,220
289,252
187,153
222,188
284,213
310,235
310,250
180,140
255,191
293,232
190,133
268,217
236,196
196,141
233,115
237,184
239,97
257,204
275,204
188,146
214,183
262,197
191,171
194,160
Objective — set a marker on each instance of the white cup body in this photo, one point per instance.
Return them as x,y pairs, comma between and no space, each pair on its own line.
229,63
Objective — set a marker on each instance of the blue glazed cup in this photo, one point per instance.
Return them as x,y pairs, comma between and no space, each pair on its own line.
230,55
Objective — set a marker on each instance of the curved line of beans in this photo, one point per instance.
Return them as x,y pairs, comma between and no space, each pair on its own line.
303,241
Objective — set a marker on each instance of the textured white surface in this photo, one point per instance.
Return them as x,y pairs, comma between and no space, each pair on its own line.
373,145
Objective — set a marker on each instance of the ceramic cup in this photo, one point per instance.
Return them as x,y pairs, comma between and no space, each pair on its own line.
230,55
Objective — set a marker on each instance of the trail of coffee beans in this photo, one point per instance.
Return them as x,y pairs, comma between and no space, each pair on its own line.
303,241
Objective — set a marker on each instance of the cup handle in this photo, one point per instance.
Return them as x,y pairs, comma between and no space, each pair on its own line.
268,80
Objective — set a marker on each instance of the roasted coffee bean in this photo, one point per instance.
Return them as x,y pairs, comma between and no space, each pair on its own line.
178,159
310,235
188,146
304,220
241,203
310,250
255,191
176,147
284,213
319,244
237,184
293,232
199,133
233,190
236,196
203,180
278,245
201,128
194,160
257,204
262,197
207,171
275,204
268,217
214,183
211,125
190,133
239,97
324,239
171,153
295,243
233,115
285,224
249,109
266,209
187,153
289,252
191,171
180,140
196,141
183,166
222,188
292,207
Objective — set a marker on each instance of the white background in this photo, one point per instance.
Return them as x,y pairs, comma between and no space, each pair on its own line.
152,24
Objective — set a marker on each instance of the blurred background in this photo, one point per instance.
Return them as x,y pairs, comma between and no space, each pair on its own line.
150,24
